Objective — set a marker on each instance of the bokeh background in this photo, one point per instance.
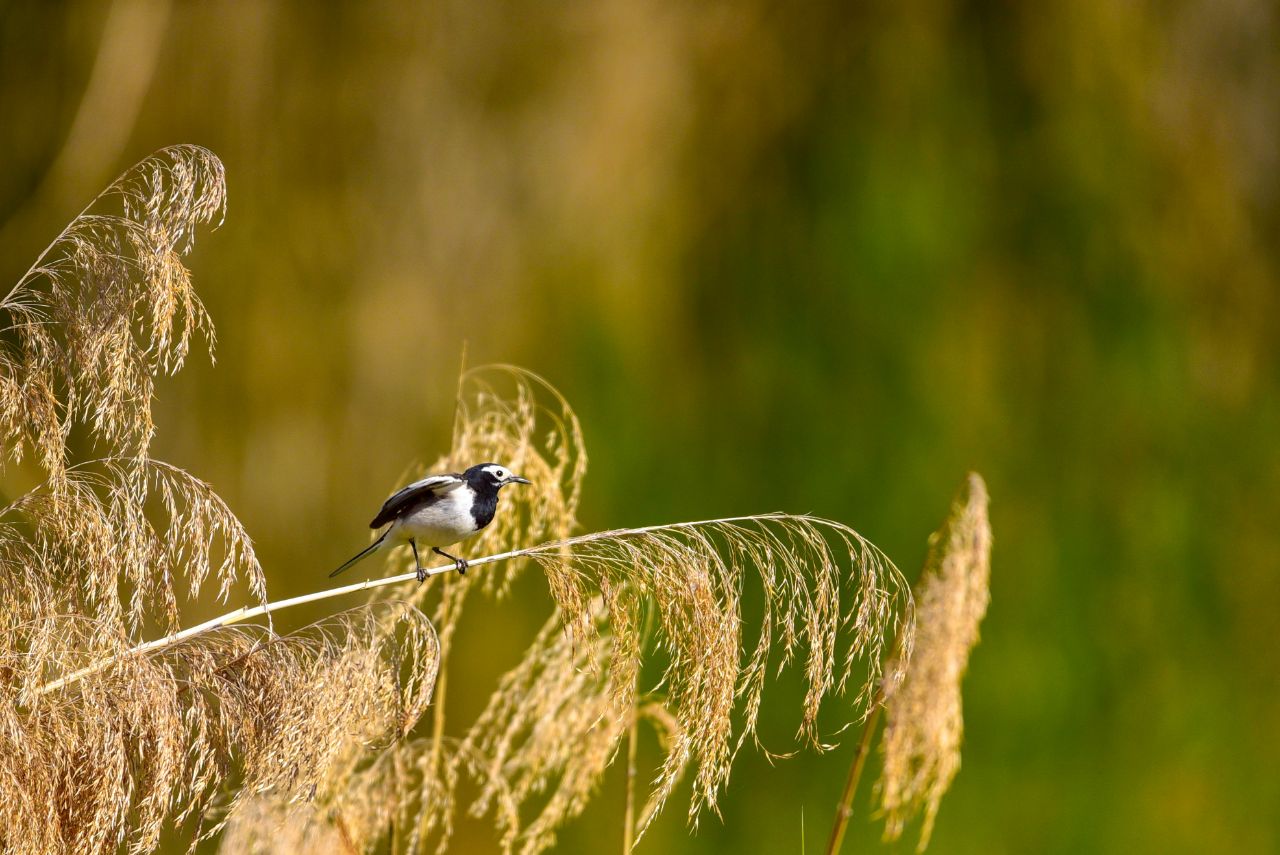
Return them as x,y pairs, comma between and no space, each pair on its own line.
779,257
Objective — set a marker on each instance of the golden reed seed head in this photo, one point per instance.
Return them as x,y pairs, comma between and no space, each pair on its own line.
105,308
235,731
106,547
547,736
829,598
554,724
924,720
507,414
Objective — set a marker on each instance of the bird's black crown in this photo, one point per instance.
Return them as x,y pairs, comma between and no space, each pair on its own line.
485,478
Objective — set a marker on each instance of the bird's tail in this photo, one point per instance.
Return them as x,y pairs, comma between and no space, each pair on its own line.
362,554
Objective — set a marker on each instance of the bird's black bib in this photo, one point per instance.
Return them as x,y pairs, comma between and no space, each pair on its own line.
485,503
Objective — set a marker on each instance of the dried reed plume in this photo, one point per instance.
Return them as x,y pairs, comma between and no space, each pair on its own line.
924,721
509,414
829,598
407,790
313,739
105,307
149,735
550,731
556,721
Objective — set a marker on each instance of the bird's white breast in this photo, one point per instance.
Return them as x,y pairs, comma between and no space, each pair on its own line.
446,520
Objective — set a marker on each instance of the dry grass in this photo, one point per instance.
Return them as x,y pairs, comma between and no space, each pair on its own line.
105,307
312,741
105,547
829,599
670,594
924,719
552,728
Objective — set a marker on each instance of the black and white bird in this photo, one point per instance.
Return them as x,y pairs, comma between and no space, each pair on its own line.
438,511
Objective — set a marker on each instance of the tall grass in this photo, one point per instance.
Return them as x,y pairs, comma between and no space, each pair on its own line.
335,735
924,720
107,546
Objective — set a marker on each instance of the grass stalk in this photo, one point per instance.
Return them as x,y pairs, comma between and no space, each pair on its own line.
629,818
245,613
344,835
423,830
249,612
845,808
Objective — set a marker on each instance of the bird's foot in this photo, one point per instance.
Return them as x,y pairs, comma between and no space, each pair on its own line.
422,574
459,563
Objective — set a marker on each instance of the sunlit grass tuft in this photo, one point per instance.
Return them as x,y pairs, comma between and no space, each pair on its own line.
924,718
148,735
284,743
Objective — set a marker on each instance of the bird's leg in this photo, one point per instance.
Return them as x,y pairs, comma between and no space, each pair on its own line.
417,563
460,563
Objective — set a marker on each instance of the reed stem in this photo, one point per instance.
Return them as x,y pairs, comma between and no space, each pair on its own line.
845,808
249,612
629,818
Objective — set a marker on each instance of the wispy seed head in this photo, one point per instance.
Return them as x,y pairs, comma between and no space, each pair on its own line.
924,720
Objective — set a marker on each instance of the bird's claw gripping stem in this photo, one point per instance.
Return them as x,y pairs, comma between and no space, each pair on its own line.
459,563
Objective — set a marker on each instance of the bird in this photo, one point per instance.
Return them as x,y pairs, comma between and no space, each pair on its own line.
438,511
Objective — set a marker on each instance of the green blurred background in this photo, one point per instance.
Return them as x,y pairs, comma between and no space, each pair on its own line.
779,257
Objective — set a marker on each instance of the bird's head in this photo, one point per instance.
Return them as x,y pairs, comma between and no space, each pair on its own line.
491,476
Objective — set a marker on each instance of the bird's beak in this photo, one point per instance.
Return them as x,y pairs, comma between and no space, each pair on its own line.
516,479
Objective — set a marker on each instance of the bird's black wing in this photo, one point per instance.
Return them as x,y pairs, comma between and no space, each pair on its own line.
415,493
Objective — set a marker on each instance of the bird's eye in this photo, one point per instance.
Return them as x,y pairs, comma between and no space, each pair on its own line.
500,474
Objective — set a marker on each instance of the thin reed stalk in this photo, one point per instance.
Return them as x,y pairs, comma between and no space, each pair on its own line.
245,613
629,816
845,808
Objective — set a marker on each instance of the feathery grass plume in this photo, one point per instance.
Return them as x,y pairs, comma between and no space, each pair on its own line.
549,732
553,726
106,741
265,825
116,538
544,741
106,306
507,414
829,596
555,722
302,705
513,416
550,725
510,415
157,738
924,721
367,807
365,787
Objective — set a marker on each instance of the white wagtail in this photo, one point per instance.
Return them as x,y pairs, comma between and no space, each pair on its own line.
439,510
